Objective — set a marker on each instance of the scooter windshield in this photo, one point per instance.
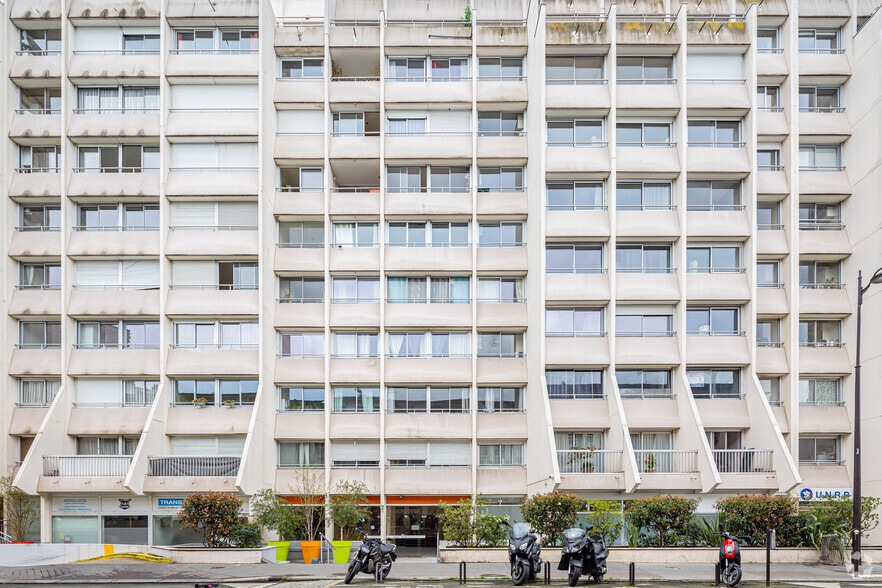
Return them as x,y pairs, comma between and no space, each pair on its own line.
571,534
519,531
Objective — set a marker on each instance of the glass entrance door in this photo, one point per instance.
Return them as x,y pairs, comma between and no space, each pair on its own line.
414,529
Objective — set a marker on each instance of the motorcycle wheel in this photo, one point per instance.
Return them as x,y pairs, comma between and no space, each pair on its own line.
519,574
350,573
598,578
732,575
381,572
573,576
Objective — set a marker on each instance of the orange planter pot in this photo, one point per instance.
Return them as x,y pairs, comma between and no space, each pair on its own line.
312,550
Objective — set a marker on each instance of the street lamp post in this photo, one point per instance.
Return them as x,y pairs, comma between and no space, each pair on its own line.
856,491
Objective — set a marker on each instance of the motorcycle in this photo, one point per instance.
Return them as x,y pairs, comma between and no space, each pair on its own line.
583,554
373,557
523,554
730,559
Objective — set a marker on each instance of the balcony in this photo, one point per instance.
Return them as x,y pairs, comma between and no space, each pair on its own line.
300,426
300,91
28,10
501,315
827,65
79,473
717,286
310,370
40,243
501,370
667,461
826,359
221,362
410,32
713,95
345,425
341,147
28,302
502,93
426,315
293,259
652,412
501,425
111,418
363,202
369,477
84,10
726,222
572,32
27,183
647,223
428,426
451,145
175,466
427,369
577,350
434,203
829,243
186,300
589,159
730,159
113,361
577,223
211,240
707,31
212,181
363,314
824,299
495,481
212,122
773,181
772,123
113,241
717,350
664,96
580,413
92,67
27,67
35,361
771,65
511,147
28,126
353,259
353,90
589,461
648,286
114,300
429,481
824,181
647,350
830,123
290,314
647,160
224,66
356,369
772,242
89,182
435,259
408,92
577,287
503,203
593,94
772,360
742,469
99,125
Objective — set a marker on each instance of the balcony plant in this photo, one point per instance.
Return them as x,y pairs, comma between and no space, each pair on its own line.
347,509
273,513
582,458
199,402
229,403
649,463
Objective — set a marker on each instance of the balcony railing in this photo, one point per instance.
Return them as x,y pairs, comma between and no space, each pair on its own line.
667,461
585,461
829,285
743,461
830,224
822,343
86,466
204,466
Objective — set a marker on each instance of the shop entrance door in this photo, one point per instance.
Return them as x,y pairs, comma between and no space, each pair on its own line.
414,529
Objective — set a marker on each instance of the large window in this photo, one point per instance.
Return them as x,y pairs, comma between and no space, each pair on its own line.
768,40
118,217
39,276
501,290
215,41
356,399
296,68
506,69
644,134
501,179
427,344
134,274
644,383
301,399
301,290
643,259
820,216
819,41
302,454
444,454
643,325
356,235
434,178
39,101
714,383
39,335
210,392
819,274
574,70
820,391
302,345
428,289
302,235
40,41
500,124
768,333
713,259
821,451
569,196
713,195
502,234
768,98
301,179
501,455
438,69
355,289
237,275
139,392
121,100
574,322
33,159
573,259
574,384
117,445
113,159
500,345
768,216
643,196
820,158
501,399
355,454
433,399
645,70
715,133
767,274
428,234
574,133
117,335
820,333
771,386
232,335
713,321
37,391
140,44
355,345
819,99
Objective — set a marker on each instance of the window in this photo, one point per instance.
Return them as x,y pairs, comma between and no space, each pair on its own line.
187,391
503,234
404,69
643,196
37,392
577,452
644,383
501,179
355,289
644,134
302,235
355,454
428,344
40,42
39,276
505,69
819,158
501,290
819,99
114,159
820,333
725,446
768,40
449,69
500,456
42,160
214,335
140,217
819,451
356,124
768,160
301,179
300,345
116,217
574,322
768,217
406,179
503,399
132,274
301,290
771,386
355,234
715,133
40,218
500,124
819,41
449,178
297,68
428,289
301,454
643,325
573,259
238,392
820,391
573,70
768,333
768,98
141,44
713,321
433,399
711,383
39,101
300,399
574,133
713,260
450,454
106,445
819,274
653,452
645,70
39,335
399,126
356,399
215,41
819,216
713,195
139,392
442,69
643,259
355,344
500,345
237,275
238,335
574,384
121,100
767,274
117,335
574,196
714,68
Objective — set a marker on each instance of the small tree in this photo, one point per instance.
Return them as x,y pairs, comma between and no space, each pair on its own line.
553,513
607,519
212,514
468,524
348,507
273,513
308,490
20,510
665,517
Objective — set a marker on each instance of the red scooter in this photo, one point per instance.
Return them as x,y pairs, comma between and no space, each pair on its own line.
730,559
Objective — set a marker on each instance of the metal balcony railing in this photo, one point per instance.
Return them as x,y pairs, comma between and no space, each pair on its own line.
204,466
86,466
743,461
585,461
667,461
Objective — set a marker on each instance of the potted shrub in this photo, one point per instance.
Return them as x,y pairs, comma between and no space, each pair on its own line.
229,403
347,510
199,402
308,491
272,512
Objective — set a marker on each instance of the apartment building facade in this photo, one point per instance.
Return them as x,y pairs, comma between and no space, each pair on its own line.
581,245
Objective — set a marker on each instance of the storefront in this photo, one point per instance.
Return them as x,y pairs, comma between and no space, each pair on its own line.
100,519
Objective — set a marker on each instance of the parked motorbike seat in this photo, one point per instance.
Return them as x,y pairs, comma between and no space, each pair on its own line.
387,548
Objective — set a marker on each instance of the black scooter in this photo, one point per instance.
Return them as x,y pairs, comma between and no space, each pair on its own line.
730,559
373,557
583,554
523,554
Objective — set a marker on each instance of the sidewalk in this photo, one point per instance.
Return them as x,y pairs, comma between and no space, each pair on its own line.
424,571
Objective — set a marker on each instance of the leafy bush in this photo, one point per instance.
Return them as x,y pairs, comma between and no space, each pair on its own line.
245,535
833,516
348,508
702,532
750,515
551,514
21,511
606,518
665,518
272,512
468,524
214,515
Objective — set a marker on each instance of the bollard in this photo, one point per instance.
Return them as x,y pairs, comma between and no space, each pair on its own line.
632,574
717,574
548,572
770,537
462,572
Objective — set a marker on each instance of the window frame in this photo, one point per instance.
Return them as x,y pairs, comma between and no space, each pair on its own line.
712,393
307,405
591,390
